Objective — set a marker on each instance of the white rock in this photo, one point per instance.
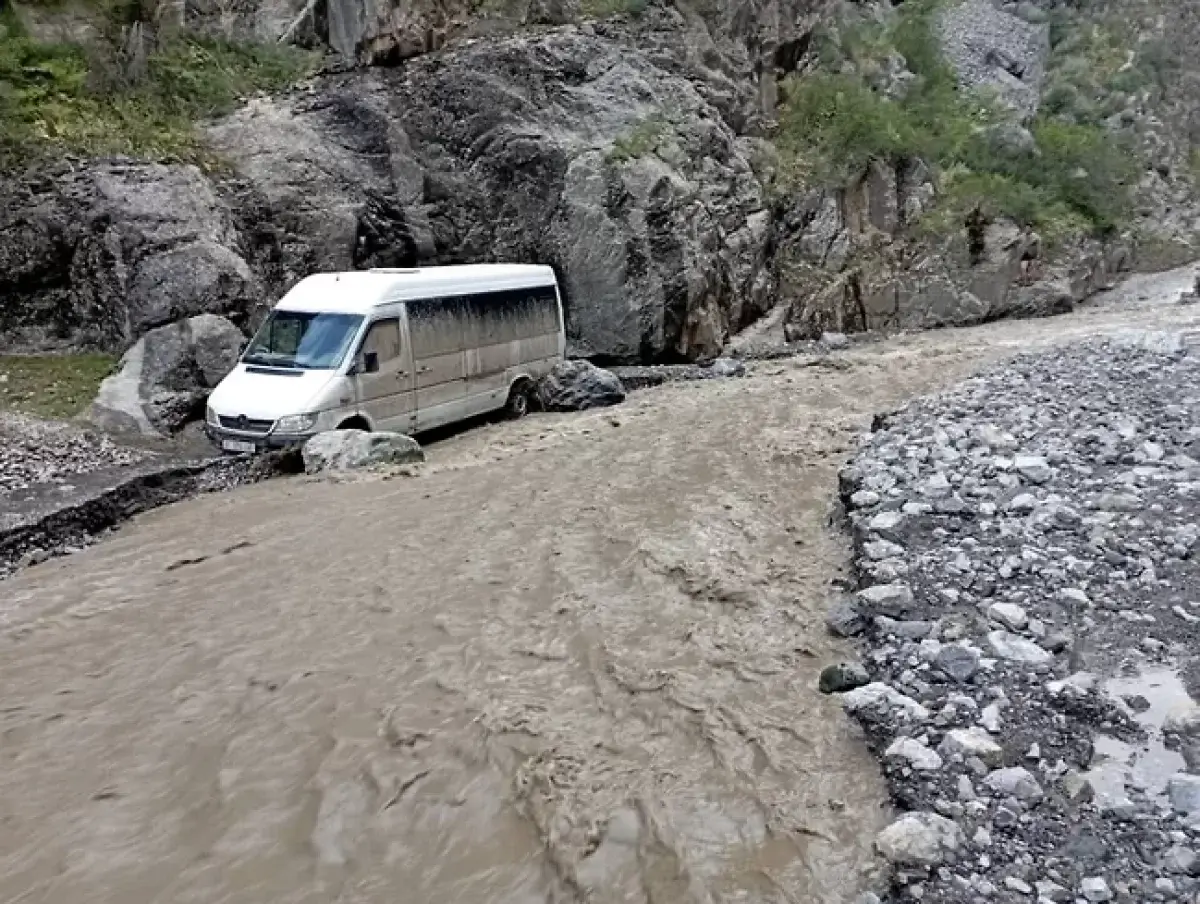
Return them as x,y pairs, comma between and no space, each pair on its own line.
1022,504
1016,781
919,839
886,524
893,599
1010,615
913,752
1017,649
1079,684
969,742
1184,792
1033,468
1096,890
883,700
990,718
345,450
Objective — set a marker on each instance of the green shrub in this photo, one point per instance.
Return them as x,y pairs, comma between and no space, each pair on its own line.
58,97
1079,179
643,139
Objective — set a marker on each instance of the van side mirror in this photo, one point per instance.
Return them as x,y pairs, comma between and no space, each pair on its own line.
370,362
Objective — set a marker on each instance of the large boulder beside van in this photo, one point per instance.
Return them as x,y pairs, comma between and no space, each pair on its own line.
166,376
356,450
579,385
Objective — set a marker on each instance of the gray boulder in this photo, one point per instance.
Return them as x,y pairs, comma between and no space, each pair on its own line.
355,450
165,378
841,677
920,840
577,386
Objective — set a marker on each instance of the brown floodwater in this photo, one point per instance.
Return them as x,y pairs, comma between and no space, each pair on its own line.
570,659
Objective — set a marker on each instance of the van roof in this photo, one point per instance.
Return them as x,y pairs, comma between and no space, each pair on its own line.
360,291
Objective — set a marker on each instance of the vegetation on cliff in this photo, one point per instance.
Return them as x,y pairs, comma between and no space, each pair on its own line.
106,84
887,92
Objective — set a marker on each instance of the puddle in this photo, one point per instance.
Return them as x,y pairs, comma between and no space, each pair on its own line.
1145,767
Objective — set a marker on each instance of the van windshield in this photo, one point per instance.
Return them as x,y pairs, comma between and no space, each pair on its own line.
303,340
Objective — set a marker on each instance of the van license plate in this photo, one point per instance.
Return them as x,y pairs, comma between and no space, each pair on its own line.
237,445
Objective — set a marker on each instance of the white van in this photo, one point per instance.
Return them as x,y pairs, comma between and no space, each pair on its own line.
402,350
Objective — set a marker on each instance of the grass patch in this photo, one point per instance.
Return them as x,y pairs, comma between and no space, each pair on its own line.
1079,178
120,96
52,386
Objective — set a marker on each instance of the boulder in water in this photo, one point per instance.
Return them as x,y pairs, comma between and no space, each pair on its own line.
579,385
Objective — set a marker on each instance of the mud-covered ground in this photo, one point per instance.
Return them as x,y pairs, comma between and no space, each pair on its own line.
571,658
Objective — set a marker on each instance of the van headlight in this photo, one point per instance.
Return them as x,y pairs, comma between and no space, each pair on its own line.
295,423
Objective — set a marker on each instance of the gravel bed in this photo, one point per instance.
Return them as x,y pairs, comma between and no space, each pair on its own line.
35,452
1028,611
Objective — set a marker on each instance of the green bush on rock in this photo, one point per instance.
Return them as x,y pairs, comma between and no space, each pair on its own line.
121,94
1074,177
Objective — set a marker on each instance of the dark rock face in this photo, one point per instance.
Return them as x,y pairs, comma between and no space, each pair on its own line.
577,386
100,255
551,149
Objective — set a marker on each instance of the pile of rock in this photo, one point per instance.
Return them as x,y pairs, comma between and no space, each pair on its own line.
1021,542
35,453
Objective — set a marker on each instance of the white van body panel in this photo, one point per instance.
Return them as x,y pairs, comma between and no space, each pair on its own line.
246,391
448,343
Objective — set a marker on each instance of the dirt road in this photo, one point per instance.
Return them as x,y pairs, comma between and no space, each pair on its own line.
573,659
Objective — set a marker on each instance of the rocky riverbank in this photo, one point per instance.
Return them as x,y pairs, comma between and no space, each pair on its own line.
1029,624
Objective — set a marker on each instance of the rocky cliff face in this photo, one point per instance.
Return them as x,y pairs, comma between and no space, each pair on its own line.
632,150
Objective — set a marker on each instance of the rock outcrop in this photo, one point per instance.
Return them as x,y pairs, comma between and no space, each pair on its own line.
566,148
99,255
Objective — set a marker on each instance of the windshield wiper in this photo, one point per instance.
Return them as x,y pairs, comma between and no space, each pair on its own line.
270,360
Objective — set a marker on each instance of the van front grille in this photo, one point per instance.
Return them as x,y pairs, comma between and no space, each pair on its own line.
246,424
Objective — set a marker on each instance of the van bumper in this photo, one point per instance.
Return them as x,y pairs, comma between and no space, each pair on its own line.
261,443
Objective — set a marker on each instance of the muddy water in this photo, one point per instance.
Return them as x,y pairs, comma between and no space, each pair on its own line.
574,659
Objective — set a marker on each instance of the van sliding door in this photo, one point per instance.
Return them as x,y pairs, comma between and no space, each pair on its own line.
435,327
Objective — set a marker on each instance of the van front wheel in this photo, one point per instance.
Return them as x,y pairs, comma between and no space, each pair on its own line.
517,405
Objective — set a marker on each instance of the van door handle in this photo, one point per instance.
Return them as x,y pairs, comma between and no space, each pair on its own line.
424,370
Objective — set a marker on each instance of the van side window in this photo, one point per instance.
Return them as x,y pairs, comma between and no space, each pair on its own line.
436,327
383,338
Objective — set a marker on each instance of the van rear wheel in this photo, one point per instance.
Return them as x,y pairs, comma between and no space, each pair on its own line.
517,405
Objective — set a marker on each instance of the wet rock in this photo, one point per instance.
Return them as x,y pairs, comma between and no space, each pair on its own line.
914,754
577,386
972,742
352,450
1076,788
1095,889
844,620
1015,781
1184,792
920,840
1017,649
1010,615
724,367
882,701
843,676
1033,468
893,600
